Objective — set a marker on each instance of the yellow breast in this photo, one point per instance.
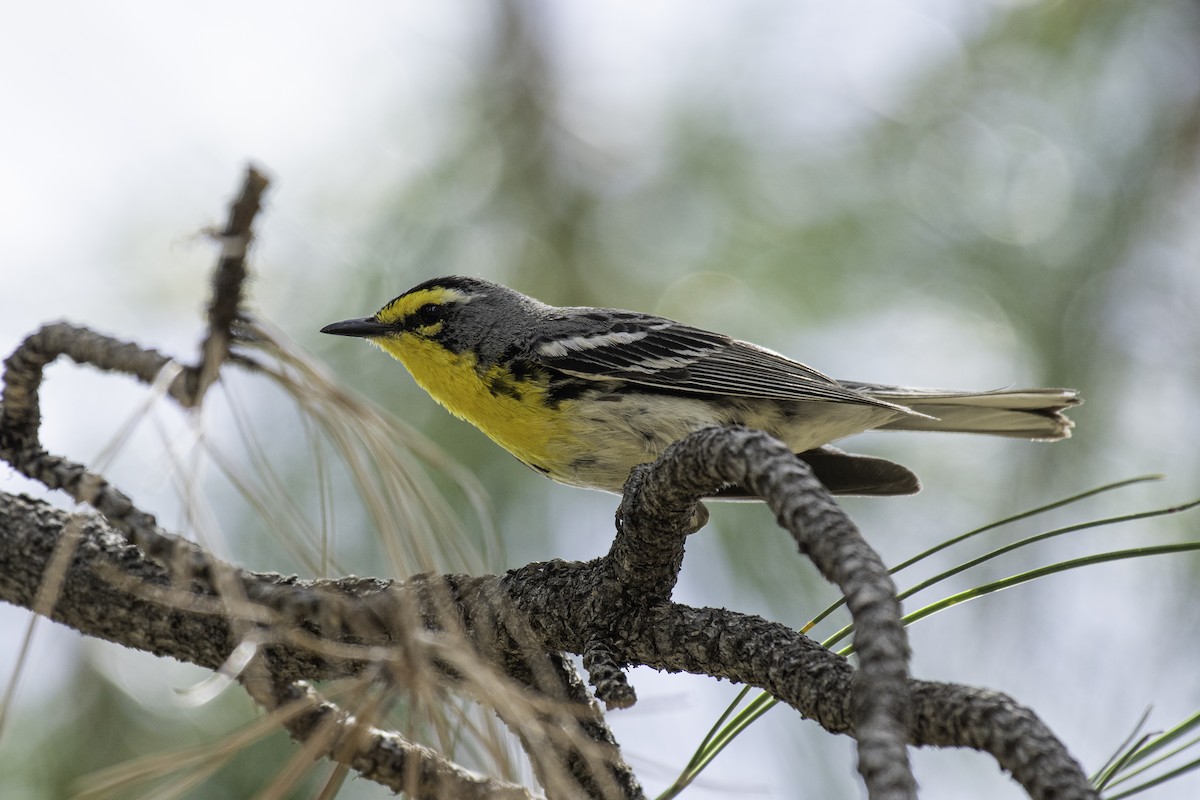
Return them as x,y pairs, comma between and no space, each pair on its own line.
512,414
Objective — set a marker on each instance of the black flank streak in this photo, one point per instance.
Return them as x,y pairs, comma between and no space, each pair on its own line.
503,385
564,387
523,369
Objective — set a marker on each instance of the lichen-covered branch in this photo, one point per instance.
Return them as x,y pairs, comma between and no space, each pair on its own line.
659,508
725,644
322,630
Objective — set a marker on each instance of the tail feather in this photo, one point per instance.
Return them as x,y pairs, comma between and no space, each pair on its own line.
1019,413
845,473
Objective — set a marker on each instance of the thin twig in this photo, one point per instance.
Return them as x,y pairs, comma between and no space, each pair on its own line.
385,757
225,304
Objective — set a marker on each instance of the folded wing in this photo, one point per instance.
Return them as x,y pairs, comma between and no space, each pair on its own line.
659,353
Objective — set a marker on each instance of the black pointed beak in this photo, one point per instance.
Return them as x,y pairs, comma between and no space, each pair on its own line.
365,327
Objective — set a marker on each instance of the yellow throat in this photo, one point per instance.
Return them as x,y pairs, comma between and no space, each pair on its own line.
512,413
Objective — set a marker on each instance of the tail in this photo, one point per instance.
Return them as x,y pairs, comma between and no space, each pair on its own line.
1019,413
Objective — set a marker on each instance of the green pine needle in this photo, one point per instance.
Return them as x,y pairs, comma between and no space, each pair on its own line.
730,724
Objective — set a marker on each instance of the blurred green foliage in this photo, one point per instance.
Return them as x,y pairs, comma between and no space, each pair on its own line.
1016,206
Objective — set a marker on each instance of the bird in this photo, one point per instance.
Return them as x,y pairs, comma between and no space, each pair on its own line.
583,395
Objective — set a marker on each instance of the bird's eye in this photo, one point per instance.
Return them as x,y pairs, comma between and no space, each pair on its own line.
429,314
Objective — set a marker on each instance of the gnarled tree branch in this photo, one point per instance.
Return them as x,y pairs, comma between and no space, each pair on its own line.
354,612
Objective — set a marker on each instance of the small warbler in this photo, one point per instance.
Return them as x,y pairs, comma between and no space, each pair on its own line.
582,395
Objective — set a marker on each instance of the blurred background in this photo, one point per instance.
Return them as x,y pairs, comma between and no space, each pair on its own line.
946,193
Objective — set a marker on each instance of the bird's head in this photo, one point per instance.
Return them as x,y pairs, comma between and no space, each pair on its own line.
459,314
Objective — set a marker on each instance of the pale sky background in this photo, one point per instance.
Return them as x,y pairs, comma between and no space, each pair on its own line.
126,128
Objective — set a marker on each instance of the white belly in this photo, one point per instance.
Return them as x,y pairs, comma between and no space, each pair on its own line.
624,431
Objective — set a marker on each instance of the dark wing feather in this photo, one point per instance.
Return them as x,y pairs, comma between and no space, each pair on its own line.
653,351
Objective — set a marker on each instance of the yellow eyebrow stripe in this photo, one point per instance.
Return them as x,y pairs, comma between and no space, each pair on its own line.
406,304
